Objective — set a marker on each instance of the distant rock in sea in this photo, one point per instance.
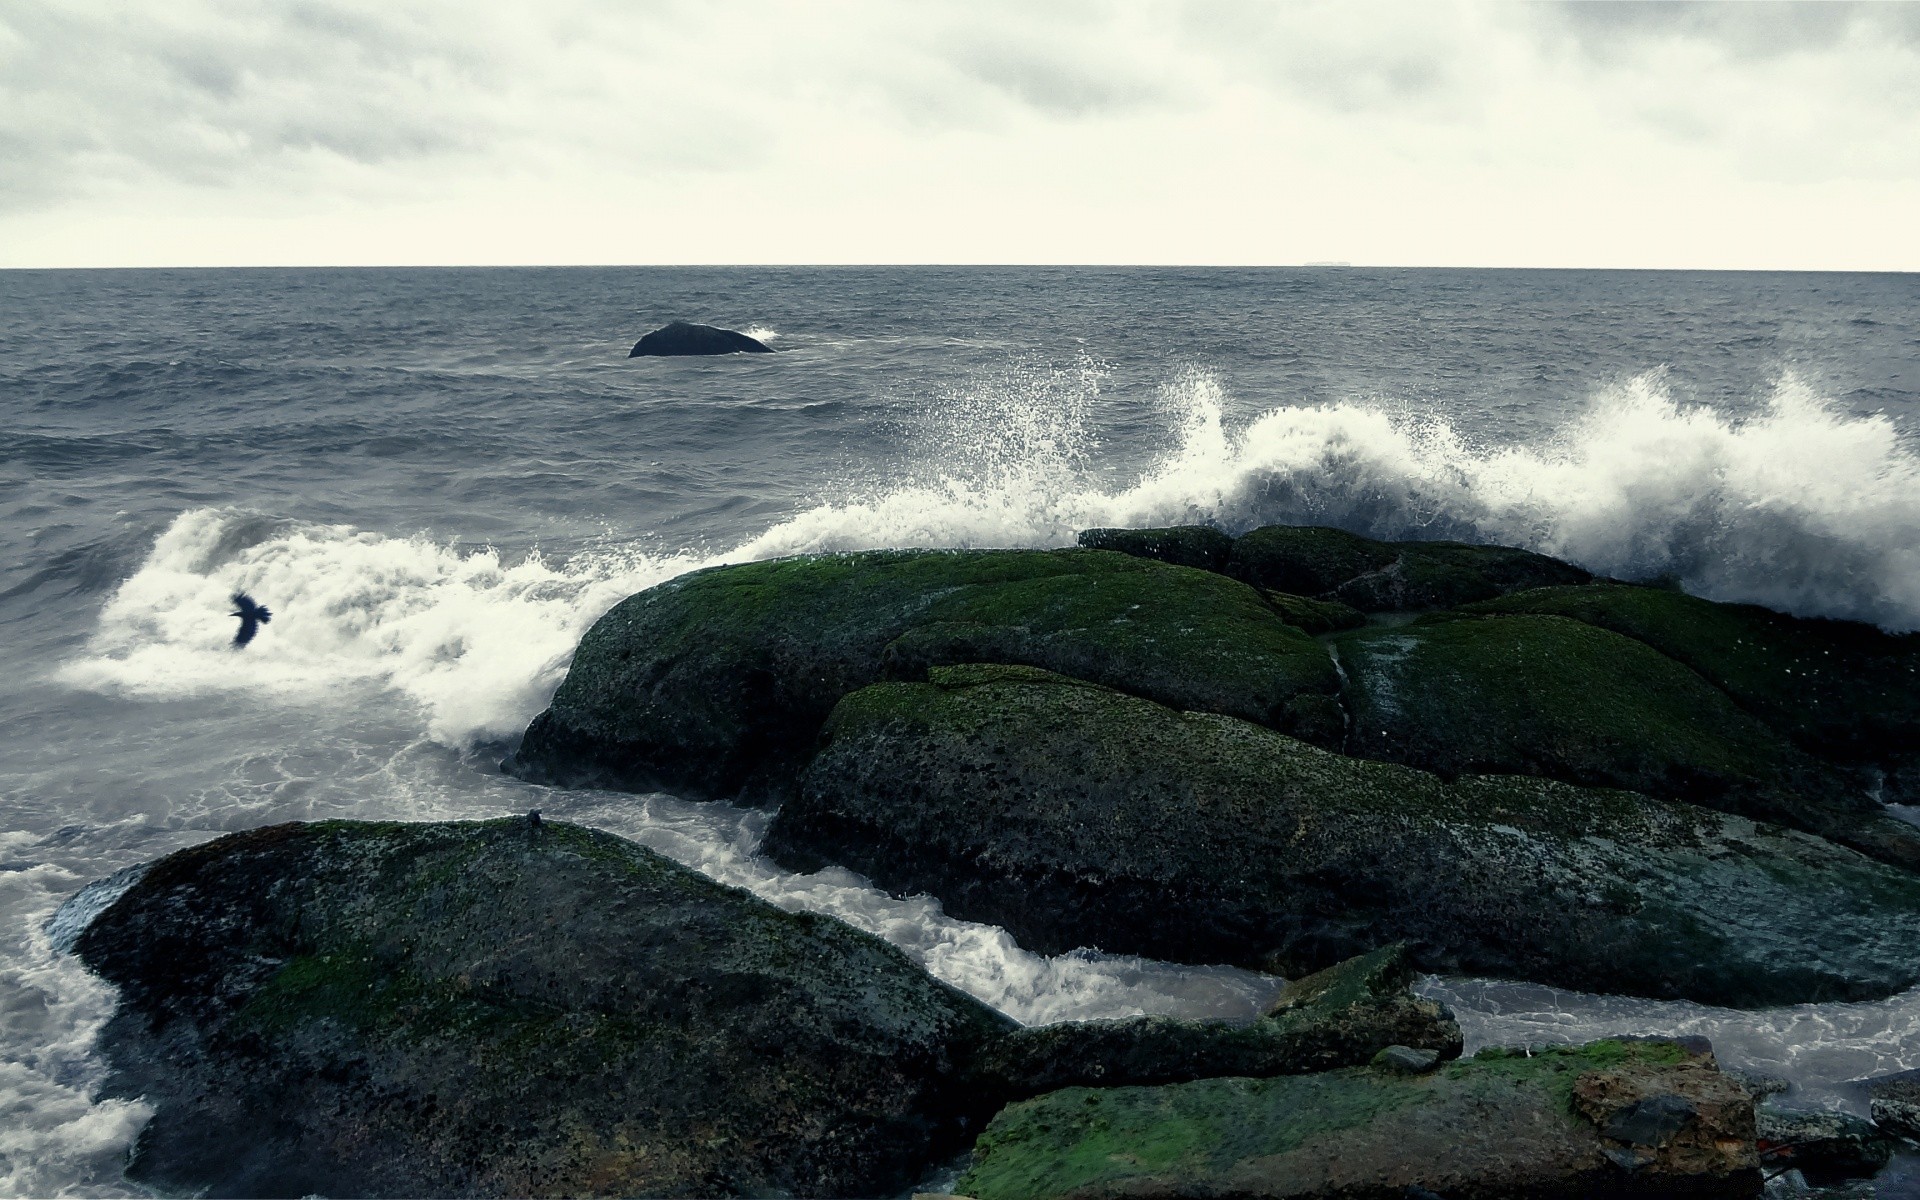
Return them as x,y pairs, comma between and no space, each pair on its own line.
686,337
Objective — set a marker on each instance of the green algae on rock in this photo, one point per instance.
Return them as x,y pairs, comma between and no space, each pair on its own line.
1074,816
716,683
498,1008
1377,576
1841,689
1545,695
489,1009
1340,1017
1609,1118
1200,546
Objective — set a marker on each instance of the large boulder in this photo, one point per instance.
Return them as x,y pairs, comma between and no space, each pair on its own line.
1200,546
1607,1119
1075,816
716,683
1841,689
1377,576
1547,695
688,338
510,1008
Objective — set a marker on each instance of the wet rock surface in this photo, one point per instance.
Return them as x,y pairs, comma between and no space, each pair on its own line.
504,1008
717,683
1377,576
1611,1118
689,338
1077,816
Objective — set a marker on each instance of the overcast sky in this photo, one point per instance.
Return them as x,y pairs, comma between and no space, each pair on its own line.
1208,131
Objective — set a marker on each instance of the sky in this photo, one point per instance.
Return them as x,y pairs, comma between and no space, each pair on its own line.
297,132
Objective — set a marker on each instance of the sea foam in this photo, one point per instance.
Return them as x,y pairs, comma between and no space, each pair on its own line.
1797,506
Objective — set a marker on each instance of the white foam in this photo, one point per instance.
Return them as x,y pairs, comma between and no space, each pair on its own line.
1799,507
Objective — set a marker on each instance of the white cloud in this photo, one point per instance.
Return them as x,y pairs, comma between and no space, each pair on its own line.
1191,131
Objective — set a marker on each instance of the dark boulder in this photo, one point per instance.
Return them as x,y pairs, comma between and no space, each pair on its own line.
1377,576
716,683
1546,695
688,338
1823,1146
504,1008
1199,546
1077,816
1840,689
1608,1119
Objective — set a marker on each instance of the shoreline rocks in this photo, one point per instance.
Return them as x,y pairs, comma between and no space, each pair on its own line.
511,1008
1073,815
1608,1118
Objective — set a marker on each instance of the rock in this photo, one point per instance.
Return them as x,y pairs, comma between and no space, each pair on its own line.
716,683
1834,1145
1405,1060
1199,546
1076,816
1500,1124
500,1008
1341,1017
1759,1084
1315,616
1840,689
476,1009
1894,1102
1388,576
688,338
1546,695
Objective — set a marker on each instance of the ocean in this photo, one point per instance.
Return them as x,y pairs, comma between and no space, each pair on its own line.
438,479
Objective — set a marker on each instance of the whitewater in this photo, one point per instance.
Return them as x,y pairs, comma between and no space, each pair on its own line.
429,583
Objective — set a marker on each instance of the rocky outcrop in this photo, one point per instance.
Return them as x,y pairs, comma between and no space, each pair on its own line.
1823,1146
1894,1101
1551,696
1074,816
716,683
1341,1017
688,338
1840,689
1610,1118
1388,576
1200,546
510,1008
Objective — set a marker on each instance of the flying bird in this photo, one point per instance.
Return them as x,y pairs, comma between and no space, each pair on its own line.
252,617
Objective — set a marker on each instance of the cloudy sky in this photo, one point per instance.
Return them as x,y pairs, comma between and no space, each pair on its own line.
1186,131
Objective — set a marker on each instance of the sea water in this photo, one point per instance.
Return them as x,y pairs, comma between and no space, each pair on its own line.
438,479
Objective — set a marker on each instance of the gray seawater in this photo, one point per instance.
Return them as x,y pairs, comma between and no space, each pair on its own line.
437,479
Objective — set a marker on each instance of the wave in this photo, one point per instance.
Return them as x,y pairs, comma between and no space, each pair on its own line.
1798,506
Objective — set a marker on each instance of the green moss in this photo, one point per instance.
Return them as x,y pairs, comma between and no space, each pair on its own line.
1837,687
1315,616
1377,576
1545,695
1199,546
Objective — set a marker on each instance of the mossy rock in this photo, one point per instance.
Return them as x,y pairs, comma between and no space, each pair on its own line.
1547,695
1200,546
1568,1122
493,1008
1841,689
1375,576
1312,616
485,1009
1076,816
715,684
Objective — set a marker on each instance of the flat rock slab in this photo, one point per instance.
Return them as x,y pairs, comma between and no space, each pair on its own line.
1075,816
1562,1123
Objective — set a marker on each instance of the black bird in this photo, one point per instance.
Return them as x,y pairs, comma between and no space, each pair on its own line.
252,617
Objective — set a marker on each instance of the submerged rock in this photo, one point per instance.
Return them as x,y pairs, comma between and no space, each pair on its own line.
1610,1118
689,338
1388,576
1547,695
716,683
1075,816
505,1008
